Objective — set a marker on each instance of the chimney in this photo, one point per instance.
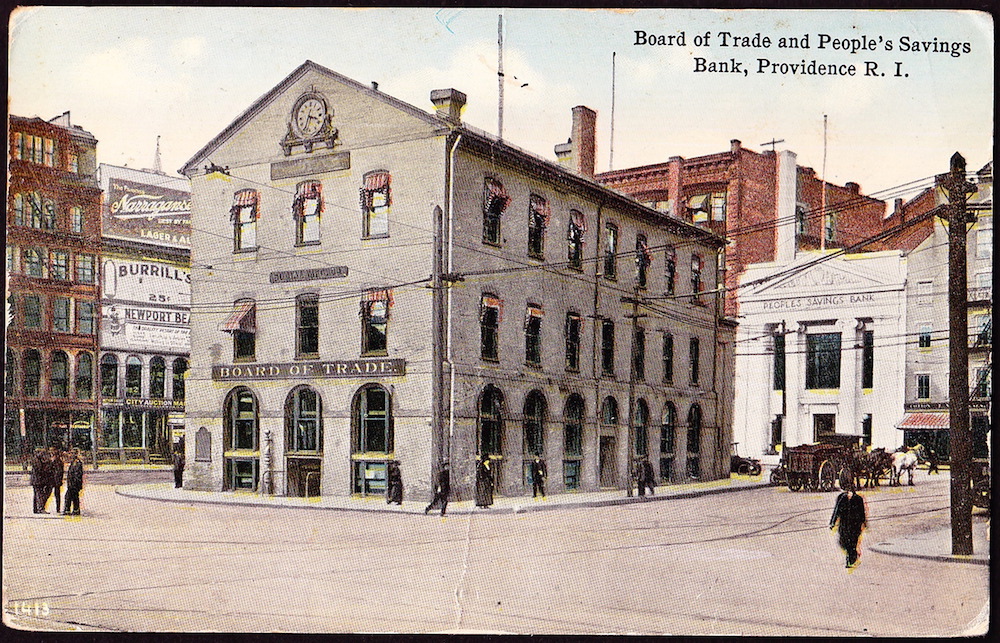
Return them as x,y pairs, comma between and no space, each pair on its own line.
448,104
579,153
897,209
853,187
735,145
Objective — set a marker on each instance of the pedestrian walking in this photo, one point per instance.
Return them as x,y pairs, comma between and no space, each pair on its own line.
538,475
179,461
647,479
849,512
484,483
441,490
57,473
40,480
394,483
74,485
932,462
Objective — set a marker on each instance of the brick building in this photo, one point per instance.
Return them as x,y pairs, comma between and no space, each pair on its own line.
765,205
53,236
476,301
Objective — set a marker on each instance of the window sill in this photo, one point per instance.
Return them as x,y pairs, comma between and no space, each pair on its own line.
535,366
241,251
494,244
492,360
307,356
536,256
368,237
380,353
244,360
306,244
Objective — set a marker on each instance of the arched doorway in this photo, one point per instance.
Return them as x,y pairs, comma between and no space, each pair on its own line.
372,439
303,441
489,441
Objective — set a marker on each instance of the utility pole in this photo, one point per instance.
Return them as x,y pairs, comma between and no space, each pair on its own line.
958,190
630,438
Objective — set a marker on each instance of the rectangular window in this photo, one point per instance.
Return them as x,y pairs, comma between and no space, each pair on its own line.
868,359
642,260
495,201
611,251
924,292
573,324
489,327
866,429
76,218
49,214
242,323
35,264
13,259
830,226
307,207
375,307
60,265
639,354
244,215
984,280
923,387
538,221
85,269
32,311
16,151
984,243
670,271
20,202
574,239
924,339
982,387
779,362
800,220
823,361
376,198
719,206
697,264
307,326
109,377
608,347
50,153
85,317
695,357
533,335
60,315
73,162
668,358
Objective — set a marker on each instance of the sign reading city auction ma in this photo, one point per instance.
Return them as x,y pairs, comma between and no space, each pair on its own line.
346,368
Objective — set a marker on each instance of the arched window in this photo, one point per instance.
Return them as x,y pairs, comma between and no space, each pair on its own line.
694,441
534,424
572,441
240,421
180,370
491,422
641,428
84,376
32,372
372,421
303,420
133,377
609,412
10,374
109,375
157,378
59,375
668,439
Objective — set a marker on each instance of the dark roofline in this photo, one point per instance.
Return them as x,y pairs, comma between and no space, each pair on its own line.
258,105
74,131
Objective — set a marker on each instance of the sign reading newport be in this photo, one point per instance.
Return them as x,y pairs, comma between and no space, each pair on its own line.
347,368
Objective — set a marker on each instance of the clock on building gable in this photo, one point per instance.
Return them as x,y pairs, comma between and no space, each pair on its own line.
309,123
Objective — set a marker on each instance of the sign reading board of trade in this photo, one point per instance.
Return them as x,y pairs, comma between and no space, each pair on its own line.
345,368
308,274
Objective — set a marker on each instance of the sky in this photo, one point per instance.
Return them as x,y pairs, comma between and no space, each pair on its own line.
131,74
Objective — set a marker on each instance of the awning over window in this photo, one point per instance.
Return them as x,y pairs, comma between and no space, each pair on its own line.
243,318
924,421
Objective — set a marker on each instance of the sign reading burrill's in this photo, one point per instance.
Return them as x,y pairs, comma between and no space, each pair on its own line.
345,368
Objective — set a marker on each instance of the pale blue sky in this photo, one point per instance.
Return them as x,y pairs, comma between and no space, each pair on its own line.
130,74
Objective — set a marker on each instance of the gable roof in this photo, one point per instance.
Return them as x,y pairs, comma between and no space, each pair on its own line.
258,105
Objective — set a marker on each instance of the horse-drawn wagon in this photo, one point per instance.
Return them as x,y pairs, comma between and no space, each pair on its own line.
818,467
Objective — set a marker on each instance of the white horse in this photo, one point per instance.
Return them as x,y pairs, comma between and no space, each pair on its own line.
905,461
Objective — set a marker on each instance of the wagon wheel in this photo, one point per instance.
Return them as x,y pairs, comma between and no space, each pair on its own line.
755,469
827,476
845,477
811,482
794,482
778,476
981,494
743,469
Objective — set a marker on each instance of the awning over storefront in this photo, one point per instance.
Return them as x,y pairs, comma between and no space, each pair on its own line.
242,318
924,421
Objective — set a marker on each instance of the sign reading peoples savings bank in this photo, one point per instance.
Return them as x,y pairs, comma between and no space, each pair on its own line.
345,368
147,213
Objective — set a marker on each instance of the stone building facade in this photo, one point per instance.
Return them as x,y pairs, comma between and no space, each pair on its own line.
372,282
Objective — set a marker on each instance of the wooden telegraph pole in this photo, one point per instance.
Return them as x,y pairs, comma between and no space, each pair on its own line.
958,190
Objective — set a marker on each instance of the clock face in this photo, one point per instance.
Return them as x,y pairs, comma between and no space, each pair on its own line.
309,116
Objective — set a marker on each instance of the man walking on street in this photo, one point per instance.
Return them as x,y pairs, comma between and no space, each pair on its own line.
538,475
647,479
74,484
179,466
850,513
443,488
56,475
40,480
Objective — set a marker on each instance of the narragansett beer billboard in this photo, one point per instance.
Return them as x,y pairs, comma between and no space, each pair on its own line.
149,213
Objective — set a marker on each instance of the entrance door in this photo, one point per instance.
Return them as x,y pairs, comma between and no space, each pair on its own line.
303,477
824,424
607,461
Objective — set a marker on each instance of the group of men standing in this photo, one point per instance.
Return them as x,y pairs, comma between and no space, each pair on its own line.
48,472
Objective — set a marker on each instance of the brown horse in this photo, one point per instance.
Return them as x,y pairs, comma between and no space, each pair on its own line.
877,464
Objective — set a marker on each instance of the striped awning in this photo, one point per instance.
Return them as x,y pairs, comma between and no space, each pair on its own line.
243,318
925,421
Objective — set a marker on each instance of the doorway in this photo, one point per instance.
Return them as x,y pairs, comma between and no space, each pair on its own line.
303,477
607,461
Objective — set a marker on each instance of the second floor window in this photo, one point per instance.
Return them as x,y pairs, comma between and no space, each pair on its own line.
85,317
489,327
574,239
60,265
823,361
924,338
779,362
611,251
307,326
244,214
830,226
533,335
375,307
242,323
495,201
85,269
573,323
60,315
868,359
376,198
76,218
538,221
34,263
306,209
32,311
923,387
670,271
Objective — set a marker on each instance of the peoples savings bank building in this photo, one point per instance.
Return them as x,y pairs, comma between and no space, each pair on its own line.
373,282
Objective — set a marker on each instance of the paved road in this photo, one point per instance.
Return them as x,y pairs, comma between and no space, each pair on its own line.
759,562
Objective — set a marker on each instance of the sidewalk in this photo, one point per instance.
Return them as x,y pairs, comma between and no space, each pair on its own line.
933,545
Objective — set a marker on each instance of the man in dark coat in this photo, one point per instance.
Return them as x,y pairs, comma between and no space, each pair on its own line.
394,483
40,480
56,475
484,483
179,466
538,475
850,513
441,490
647,479
74,484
